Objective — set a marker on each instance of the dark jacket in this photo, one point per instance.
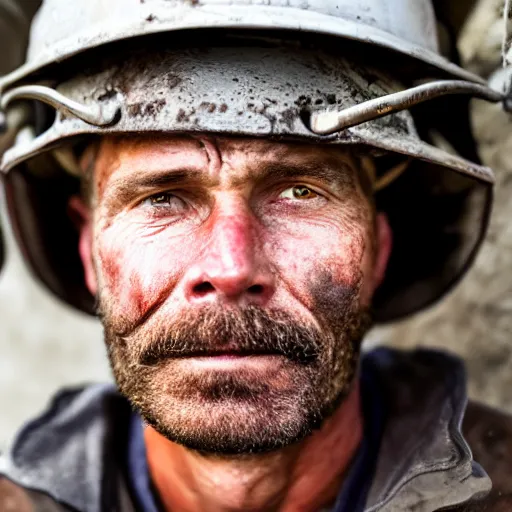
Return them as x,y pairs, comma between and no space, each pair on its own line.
73,458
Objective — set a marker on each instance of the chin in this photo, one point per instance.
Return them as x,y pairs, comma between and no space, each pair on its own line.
230,414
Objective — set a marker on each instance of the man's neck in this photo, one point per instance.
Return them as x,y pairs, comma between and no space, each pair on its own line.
306,476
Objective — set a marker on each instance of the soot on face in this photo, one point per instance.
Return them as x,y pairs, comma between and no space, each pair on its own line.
241,411
311,324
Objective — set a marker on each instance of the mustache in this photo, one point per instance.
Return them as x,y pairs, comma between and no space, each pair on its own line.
247,331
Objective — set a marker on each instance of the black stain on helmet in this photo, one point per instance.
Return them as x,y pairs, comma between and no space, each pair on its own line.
288,117
109,93
151,109
209,107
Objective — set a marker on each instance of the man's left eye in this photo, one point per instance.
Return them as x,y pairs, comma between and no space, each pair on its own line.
298,192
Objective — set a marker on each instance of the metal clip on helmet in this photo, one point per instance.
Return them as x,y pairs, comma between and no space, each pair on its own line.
353,72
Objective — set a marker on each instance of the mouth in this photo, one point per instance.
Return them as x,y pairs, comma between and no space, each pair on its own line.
226,352
232,360
229,355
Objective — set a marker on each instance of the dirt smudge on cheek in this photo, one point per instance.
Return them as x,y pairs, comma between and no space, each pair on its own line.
109,267
136,280
353,258
331,297
121,292
343,256
335,305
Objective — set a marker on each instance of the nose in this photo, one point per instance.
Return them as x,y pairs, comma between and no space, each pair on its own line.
232,268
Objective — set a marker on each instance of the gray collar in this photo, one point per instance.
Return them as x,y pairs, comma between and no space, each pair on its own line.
424,463
74,451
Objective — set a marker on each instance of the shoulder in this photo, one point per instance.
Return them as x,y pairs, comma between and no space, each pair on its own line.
14,498
488,432
82,424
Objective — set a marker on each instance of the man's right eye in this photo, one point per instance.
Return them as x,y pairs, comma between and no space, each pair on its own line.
166,200
160,199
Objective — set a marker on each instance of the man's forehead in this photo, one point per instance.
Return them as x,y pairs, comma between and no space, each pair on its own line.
119,156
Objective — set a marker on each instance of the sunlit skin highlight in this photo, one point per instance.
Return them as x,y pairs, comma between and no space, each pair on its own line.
180,223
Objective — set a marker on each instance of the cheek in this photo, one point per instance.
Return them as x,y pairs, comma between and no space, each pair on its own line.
317,257
137,272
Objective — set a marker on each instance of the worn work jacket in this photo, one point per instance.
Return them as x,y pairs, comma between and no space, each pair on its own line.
73,457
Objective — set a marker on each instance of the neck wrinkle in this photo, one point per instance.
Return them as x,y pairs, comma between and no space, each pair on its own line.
305,476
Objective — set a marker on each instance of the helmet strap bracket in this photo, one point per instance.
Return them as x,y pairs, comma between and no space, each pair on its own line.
96,115
327,122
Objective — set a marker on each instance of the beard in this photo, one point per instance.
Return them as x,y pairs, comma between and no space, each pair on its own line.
248,408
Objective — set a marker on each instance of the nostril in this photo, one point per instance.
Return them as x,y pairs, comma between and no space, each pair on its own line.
256,289
203,289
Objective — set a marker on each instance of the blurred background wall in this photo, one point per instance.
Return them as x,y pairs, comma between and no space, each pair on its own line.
44,345
476,319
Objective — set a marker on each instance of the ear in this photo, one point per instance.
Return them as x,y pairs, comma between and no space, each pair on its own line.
384,237
81,216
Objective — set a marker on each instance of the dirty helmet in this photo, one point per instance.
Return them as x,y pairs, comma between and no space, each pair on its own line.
363,73
14,27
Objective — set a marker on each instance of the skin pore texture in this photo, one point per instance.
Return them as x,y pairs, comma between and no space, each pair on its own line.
234,280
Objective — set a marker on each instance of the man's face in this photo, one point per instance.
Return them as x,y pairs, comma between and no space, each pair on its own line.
233,278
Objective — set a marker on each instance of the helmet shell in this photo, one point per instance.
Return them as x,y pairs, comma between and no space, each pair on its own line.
63,29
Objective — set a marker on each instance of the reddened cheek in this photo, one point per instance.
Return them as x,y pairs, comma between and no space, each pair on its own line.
110,267
122,275
341,253
137,274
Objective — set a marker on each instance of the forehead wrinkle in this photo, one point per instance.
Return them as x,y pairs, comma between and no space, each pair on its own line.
220,160
146,160
127,187
324,168
210,146
341,175
254,155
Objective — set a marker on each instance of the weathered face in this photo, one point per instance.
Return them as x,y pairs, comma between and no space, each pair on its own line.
233,278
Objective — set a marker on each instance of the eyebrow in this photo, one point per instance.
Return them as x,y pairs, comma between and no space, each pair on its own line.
124,189
339,173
